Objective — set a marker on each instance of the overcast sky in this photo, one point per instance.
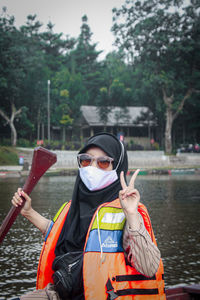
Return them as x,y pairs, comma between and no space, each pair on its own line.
67,14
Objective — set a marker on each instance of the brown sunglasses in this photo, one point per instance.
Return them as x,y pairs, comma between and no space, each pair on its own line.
102,162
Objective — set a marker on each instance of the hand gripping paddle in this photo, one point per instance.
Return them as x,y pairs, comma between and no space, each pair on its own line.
42,160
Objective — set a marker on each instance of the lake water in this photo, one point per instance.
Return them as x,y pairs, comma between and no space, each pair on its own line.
173,203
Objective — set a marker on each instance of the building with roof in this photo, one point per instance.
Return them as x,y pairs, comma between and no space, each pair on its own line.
131,122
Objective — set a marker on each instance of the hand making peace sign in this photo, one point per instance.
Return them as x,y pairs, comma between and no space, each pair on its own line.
129,196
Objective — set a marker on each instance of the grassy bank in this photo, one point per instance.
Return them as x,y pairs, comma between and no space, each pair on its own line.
8,156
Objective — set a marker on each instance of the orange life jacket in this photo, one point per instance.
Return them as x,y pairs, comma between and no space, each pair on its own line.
106,274
47,255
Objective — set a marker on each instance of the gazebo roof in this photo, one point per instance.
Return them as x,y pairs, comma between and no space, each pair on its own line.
129,116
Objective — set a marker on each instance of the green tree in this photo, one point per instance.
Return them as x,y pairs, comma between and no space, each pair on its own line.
63,112
35,84
55,47
163,38
73,83
116,89
46,52
68,93
84,60
12,74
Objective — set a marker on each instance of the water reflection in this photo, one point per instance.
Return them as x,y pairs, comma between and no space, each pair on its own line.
173,204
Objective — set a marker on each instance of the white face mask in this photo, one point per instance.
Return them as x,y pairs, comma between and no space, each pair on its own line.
96,179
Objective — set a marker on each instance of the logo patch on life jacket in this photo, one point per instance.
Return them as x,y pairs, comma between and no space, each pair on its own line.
109,243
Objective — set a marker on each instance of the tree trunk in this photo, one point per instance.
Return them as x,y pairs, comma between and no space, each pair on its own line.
38,124
169,122
13,134
64,135
168,130
43,131
170,117
10,121
38,130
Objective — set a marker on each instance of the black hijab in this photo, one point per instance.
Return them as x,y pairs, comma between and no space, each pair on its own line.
85,202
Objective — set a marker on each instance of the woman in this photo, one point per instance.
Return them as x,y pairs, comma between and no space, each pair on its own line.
102,242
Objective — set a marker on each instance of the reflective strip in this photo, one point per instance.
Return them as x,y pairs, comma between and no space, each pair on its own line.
59,212
110,218
113,217
49,230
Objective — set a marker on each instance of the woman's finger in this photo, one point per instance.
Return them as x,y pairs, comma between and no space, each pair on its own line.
132,181
26,197
19,191
132,192
16,201
129,193
122,180
17,196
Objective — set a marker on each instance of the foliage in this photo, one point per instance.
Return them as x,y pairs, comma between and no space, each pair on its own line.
58,145
156,60
85,60
25,143
131,146
161,40
28,58
12,73
116,88
155,146
5,142
8,156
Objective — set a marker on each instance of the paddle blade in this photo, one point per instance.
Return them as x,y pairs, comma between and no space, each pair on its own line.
42,160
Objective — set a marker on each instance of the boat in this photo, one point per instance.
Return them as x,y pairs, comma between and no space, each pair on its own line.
183,292
182,171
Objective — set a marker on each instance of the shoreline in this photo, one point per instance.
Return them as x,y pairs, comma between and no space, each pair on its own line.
17,171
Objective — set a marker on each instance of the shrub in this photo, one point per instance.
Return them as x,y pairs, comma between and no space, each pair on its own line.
156,146
133,147
5,142
24,143
8,156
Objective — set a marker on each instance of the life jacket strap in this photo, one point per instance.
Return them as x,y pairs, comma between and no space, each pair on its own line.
114,294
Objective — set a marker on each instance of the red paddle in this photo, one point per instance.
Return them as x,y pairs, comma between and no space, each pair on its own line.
42,160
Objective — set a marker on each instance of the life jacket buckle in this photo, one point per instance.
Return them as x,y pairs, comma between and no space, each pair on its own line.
111,295
110,291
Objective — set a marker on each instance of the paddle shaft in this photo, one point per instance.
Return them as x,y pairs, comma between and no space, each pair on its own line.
42,160
14,211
